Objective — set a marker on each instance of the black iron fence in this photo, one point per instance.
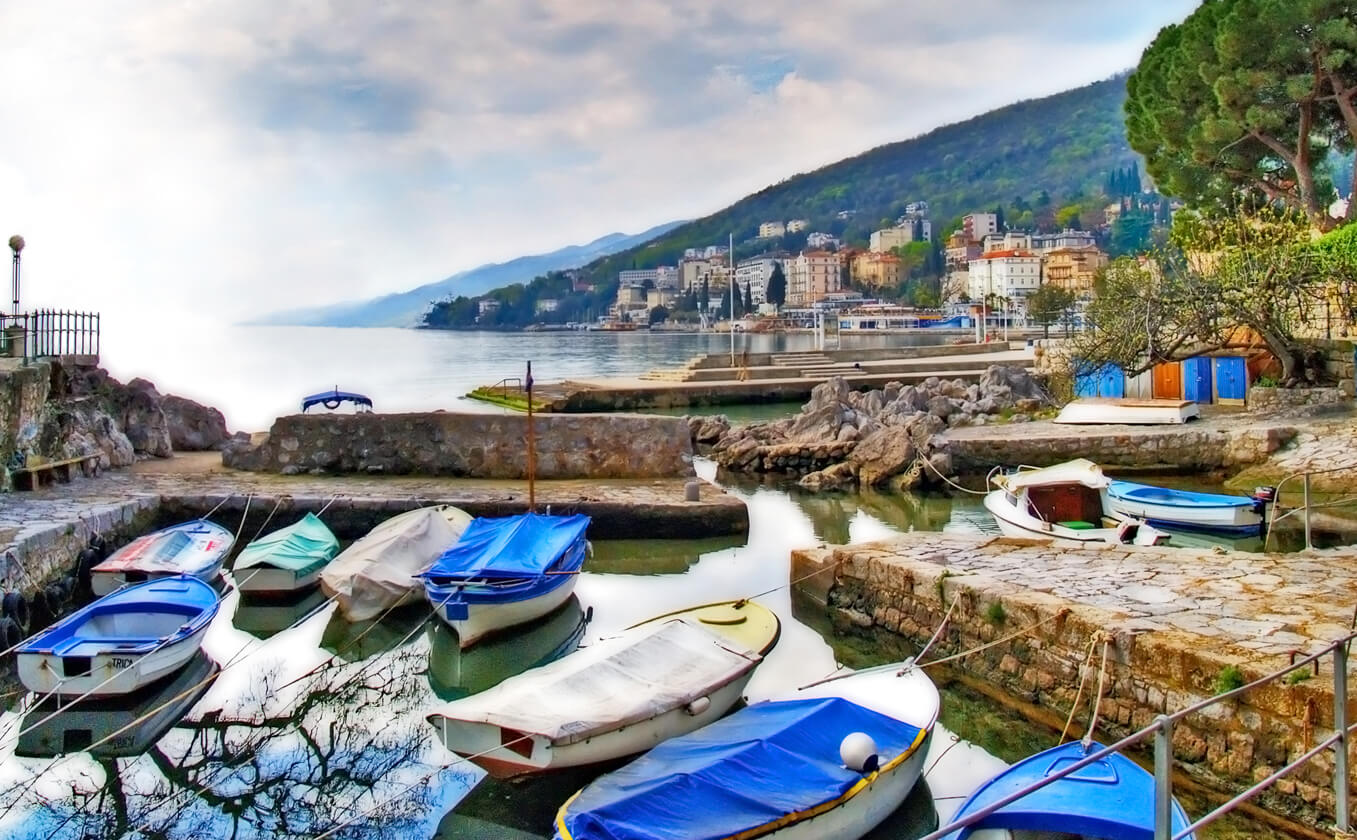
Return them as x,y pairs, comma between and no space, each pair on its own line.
49,332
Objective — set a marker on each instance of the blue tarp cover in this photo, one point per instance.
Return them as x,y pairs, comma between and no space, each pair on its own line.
332,399
747,770
514,546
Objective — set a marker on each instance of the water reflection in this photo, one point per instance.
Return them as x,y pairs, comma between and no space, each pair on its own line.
265,616
653,557
354,641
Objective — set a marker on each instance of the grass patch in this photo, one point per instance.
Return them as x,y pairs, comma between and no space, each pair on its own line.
516,401
996,614
1298,676
1229,678
942,590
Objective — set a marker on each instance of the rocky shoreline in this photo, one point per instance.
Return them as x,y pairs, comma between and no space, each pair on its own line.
843,438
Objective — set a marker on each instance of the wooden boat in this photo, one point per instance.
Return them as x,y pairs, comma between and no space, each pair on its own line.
1169,508
286,560
378,572
455,673
1112,798
122,641
831,760
664,677
115,727
1068,501
1128,412
196,548
506,571
334,399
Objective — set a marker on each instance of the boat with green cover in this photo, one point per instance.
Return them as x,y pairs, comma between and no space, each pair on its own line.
288,559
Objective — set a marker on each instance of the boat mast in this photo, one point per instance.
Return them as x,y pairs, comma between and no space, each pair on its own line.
532,447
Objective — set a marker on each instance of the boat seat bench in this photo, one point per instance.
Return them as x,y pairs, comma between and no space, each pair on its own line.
33,476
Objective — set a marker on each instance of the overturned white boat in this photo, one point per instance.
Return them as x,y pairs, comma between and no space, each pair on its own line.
1068,501
623,695
377,573
1128,412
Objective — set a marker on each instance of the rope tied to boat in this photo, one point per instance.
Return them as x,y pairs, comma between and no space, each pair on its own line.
1060,614
277,504
249,497
1098,699
1083,681
929,464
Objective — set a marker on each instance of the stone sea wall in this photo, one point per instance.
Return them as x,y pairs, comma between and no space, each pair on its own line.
472,446
1277,399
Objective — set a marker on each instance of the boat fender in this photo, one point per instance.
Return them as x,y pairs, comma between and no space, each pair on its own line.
100,545
10,634
698,706
858,752
14,606
42,613
57,594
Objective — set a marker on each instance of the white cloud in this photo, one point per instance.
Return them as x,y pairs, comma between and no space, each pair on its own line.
240,157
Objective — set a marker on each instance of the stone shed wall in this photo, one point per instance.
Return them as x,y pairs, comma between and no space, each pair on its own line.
473,446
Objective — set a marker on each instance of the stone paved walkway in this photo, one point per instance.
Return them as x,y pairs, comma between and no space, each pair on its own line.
1267,604
1326,446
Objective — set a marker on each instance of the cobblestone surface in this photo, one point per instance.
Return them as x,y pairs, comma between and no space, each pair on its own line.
1265,604
1328,447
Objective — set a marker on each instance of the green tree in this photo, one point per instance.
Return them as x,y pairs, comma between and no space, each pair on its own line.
659,315
748,298
705,300
1048,305
777,286
1067,216
1248,95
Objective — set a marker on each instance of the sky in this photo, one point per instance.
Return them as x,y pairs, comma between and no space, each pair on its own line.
222,159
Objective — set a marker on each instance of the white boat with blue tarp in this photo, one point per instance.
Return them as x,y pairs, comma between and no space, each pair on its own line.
1169,508
830,760
196,548
1111,798
286,560
506,571
122,641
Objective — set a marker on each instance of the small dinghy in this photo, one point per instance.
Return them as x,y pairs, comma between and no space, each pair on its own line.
1211,512
115,727
1068,501
286,560
505,572
379,572
196,548
831,760
335,399
1110,799
122,641
623,695
1129,412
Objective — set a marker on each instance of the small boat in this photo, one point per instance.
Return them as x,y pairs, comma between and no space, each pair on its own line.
831,760
378,572
122,641
115,727
1068,501
455,673
332,400
286,560
664,677
1214,512
506,571
196,548
1128,412
1112,798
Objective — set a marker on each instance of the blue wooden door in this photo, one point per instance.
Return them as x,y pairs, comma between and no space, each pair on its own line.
1111,382
1232,379
1197,379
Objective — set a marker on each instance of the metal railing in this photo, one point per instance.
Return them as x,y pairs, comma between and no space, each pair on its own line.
1162,733
503,385
1306,504
50,332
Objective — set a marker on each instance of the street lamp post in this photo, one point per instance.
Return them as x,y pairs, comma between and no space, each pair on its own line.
14,338
16,244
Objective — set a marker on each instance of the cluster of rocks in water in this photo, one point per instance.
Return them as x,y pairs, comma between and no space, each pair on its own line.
91,413
887,438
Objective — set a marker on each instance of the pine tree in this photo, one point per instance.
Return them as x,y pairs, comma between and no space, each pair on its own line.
748,298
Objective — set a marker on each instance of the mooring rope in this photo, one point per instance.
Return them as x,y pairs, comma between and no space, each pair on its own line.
1083,680
1010,637
1097,700
228,498
276,504
936,633
249,497
950,482
326,507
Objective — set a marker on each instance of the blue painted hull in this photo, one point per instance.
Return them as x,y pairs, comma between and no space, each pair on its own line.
1210,513
1112,798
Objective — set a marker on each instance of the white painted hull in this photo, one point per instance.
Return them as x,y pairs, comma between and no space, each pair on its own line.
1128,412
483,619
265,580
1221,518
102,583
539,753
108,673
1015,522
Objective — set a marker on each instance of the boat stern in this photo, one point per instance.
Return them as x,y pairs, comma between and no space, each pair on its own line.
501,751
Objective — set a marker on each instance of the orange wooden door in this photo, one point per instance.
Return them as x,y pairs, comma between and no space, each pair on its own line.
1168,381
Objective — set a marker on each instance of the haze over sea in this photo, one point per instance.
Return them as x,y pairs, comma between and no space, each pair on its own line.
254,374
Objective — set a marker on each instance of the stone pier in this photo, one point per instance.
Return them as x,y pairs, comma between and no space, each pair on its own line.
1181,625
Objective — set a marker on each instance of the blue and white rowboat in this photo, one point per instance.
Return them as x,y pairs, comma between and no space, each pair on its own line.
1169,508
122,641
196,548
1112,798
506,572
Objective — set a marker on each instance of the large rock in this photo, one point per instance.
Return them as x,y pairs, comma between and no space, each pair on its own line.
144,422
193,427
708,429
882,454
835,478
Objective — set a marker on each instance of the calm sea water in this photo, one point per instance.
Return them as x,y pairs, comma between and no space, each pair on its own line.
254,374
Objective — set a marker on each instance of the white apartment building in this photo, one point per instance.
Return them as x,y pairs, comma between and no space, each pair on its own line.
667,277
797,225
979,225
772,230
546,305
691,273
637,277
1043,243
1011,274
1009,240
754,275
711,252
811,276
820,240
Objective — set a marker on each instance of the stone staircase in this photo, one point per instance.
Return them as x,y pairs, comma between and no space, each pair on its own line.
683,373
813,365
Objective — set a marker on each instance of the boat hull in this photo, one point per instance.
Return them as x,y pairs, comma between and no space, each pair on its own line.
267,580
1196,511
476,620
104,674
504,762
105,583
1016,523
1128,412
